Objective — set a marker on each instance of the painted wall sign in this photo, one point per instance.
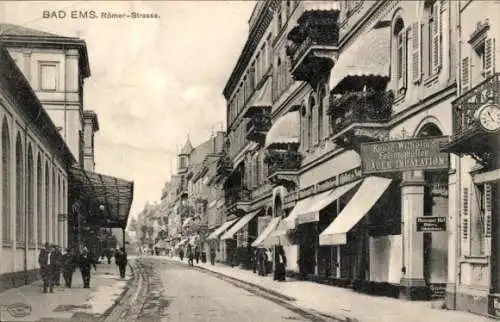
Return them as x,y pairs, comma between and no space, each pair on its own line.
430,224
401,155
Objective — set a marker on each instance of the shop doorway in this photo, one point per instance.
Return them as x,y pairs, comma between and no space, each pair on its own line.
435,248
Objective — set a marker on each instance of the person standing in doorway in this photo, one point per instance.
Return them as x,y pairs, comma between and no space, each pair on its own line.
86,261
69,266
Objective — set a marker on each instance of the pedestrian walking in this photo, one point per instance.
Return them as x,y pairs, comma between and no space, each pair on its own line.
190,255
263,262
58,265
121,261
109,255
212,256
46,260
69,267
197,254
255,260
85,262
280,260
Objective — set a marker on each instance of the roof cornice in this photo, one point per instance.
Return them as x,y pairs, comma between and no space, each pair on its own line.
255,35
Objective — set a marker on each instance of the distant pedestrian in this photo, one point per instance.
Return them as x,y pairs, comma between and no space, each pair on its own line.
190,255
121,261
86,261
280,260
255,260
197,254
109,255
58,265
263,262
212,256
181,255
69,266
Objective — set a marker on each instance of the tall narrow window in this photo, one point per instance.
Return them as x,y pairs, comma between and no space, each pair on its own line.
321,108
49,73
39,209
6,179
312,107
19,190
303,130
48,216
54,208
400,53
31,198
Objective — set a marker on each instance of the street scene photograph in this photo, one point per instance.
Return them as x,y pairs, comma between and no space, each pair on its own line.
237,160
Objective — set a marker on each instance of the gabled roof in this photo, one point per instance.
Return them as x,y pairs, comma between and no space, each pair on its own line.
18,36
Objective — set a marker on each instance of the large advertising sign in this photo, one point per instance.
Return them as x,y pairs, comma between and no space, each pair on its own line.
401,155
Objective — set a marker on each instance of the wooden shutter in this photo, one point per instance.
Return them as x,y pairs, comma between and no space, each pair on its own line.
326,106
489,57
465,71
261,167
436,38
465,222
416,53
314,130
487,217
404,57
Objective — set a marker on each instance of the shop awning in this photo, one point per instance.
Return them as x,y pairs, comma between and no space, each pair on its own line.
301,206
284,131
259,242
95,189
278,236
242,222
215,234
260,100
367,57
322,200
363,200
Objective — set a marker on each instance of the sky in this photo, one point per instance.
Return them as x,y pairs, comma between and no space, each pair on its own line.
154,81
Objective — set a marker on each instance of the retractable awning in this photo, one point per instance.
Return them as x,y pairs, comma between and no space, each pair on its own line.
260,241
260,100
286,130
95,189
239,225
367,57
216,233
363,200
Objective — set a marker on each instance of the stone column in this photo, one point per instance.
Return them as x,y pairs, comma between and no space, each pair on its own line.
412,201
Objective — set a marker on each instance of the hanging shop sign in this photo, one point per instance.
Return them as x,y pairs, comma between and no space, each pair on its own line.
402,155
430,224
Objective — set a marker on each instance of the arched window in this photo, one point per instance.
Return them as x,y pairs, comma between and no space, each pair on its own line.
257,177
59,209
6,169
19,190
48,214
31,197
312,108
400,53
278,79
432,36
39,193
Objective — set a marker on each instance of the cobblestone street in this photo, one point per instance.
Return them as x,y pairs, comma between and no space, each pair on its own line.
170,291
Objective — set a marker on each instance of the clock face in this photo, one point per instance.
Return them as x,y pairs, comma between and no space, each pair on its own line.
489,117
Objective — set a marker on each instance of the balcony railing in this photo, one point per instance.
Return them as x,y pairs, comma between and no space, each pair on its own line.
235,195
360,107
283,161
466,105
257,127
310,42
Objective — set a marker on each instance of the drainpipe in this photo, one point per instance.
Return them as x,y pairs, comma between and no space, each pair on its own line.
26,192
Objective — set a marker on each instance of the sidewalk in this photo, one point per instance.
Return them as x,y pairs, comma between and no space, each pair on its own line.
105,288
344,303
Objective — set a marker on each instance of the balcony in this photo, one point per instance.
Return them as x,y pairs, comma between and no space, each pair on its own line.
359,117
238,200
223,169
468,137
283,167
257,127
314,40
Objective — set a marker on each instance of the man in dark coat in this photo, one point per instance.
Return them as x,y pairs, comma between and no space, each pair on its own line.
47,261
197,254
121,261
69,266
85,262
58,267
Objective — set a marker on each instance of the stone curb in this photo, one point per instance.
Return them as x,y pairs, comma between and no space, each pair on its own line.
271,292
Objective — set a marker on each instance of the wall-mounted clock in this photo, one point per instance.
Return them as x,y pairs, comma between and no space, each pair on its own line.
489,117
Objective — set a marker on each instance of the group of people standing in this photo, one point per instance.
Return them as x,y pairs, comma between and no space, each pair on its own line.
53,262
192,255
261,262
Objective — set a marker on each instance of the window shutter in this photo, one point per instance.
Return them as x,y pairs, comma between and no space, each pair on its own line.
489,57
314,131
261,167
465,223
416,54
465,74
404,59
436,38
487,216
326,106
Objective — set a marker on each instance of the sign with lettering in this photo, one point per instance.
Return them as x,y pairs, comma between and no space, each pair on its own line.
407,154
430,224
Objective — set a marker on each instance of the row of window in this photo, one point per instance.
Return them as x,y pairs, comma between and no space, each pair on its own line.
43,201
256,170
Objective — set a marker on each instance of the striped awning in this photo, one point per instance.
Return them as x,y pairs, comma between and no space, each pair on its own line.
369,56
285,131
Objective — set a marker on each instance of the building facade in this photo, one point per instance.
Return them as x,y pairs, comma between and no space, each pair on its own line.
347,148
35,160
